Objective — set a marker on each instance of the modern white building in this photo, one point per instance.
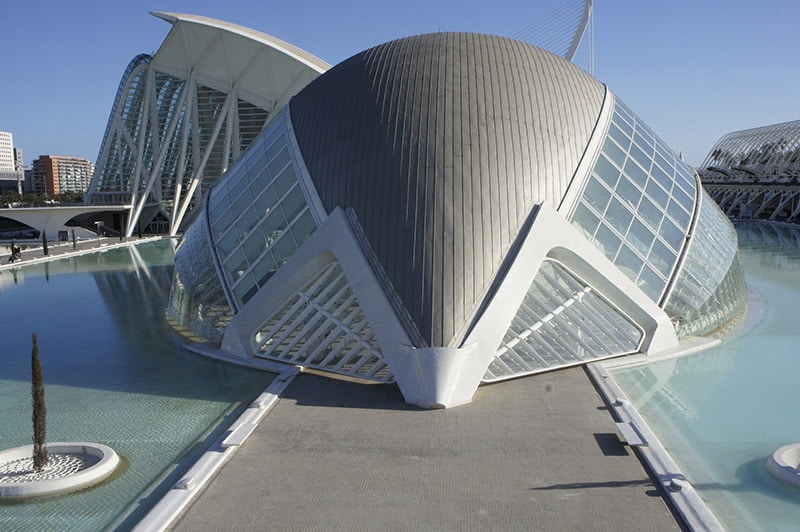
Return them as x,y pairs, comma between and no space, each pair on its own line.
452,209
183,115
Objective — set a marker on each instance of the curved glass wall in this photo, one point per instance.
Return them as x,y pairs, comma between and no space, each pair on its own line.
197,301
116,164
258,215
637,203
562,321
710,288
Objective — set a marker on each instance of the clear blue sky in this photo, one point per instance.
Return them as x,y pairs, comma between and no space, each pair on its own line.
692,69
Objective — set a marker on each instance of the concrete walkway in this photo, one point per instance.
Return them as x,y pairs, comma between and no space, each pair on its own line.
538,453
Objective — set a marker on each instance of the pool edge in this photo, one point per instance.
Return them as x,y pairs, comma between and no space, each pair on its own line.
684,498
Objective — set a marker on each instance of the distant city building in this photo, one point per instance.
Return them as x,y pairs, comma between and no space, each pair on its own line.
19,162
11,175
7,152
57,174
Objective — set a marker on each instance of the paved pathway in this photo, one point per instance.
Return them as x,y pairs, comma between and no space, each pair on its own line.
538,453
59,250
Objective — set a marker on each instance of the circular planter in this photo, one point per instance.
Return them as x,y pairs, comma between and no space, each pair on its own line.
784,463
72,466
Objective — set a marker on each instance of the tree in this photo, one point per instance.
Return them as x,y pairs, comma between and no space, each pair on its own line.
40,458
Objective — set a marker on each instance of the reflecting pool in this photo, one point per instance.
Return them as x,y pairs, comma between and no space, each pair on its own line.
114,374
721,413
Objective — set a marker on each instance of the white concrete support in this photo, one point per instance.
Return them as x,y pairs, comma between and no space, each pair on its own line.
446,376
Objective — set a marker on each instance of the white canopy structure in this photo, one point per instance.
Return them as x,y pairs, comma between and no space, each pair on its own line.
182,116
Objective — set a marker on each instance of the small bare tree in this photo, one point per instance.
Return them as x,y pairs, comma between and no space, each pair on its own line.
39,410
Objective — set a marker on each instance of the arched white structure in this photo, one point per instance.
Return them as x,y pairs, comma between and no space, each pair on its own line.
52,220
182,116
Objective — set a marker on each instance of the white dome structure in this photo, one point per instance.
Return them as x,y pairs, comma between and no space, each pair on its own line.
449,209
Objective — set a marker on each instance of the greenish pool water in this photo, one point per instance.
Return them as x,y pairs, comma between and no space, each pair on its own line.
721,413
114,374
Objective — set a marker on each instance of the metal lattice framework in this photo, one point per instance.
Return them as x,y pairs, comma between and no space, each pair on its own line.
755,173
182,116
768,154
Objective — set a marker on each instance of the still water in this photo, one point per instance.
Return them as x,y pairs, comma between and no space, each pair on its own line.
721,413
114,374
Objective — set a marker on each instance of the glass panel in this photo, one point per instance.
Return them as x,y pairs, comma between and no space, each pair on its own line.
261,181
247,221
274,225
651,284
222,223
597,195
650,213
644,161
254,245
293,203
628,192
264,269
656,193
279,162
683,198
266,201
629,262
614,152
606,171
644,140
585,220
246,289
640,237
620,120
228,243
663,179
609,242
241,203
621,138
303,227
618,216
677,213
662,257
672,234
285,181
236,265
284,249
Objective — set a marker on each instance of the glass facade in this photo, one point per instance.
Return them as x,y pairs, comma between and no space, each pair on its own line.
258,215
323,327
197,301
562,321
710,288
637,204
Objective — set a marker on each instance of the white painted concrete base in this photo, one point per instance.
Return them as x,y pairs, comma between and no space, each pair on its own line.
99,462
784,464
